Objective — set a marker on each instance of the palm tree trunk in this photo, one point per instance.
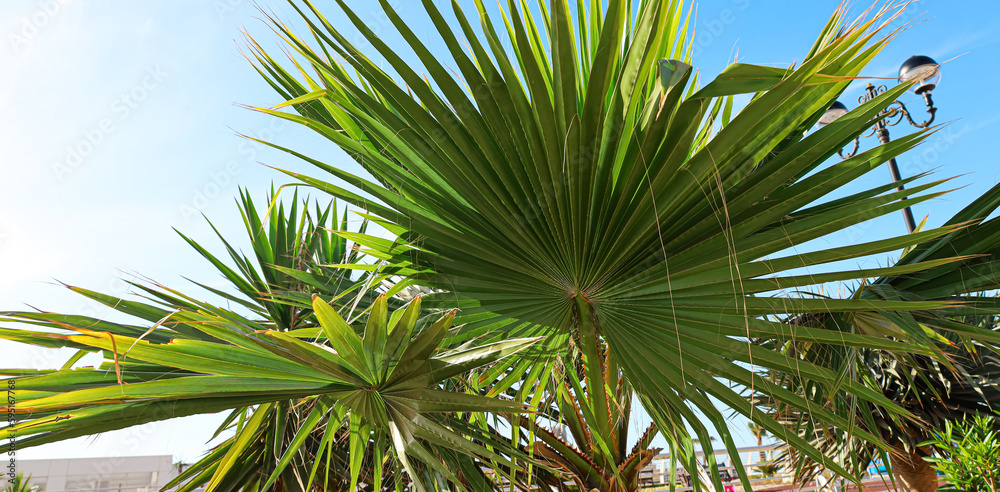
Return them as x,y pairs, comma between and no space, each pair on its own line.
912,473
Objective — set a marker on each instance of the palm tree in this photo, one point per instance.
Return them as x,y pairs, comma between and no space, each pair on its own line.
759,433
937,392
583,188
578,186
20,484
274,349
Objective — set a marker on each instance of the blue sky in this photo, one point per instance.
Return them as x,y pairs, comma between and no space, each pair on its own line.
118,122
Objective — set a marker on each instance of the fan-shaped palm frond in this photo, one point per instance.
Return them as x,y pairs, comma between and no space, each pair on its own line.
582,184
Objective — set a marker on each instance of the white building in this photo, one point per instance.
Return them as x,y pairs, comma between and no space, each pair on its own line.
112,474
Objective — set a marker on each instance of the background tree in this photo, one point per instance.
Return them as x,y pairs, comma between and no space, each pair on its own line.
938,392
758,433
970,450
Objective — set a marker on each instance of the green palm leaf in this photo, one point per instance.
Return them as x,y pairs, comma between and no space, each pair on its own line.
188,377
297,377
20,484
576,185
936,391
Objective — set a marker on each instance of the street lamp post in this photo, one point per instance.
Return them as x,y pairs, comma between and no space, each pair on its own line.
926,74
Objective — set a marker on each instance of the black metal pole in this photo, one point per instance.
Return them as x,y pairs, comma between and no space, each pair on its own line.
883,136
911,225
